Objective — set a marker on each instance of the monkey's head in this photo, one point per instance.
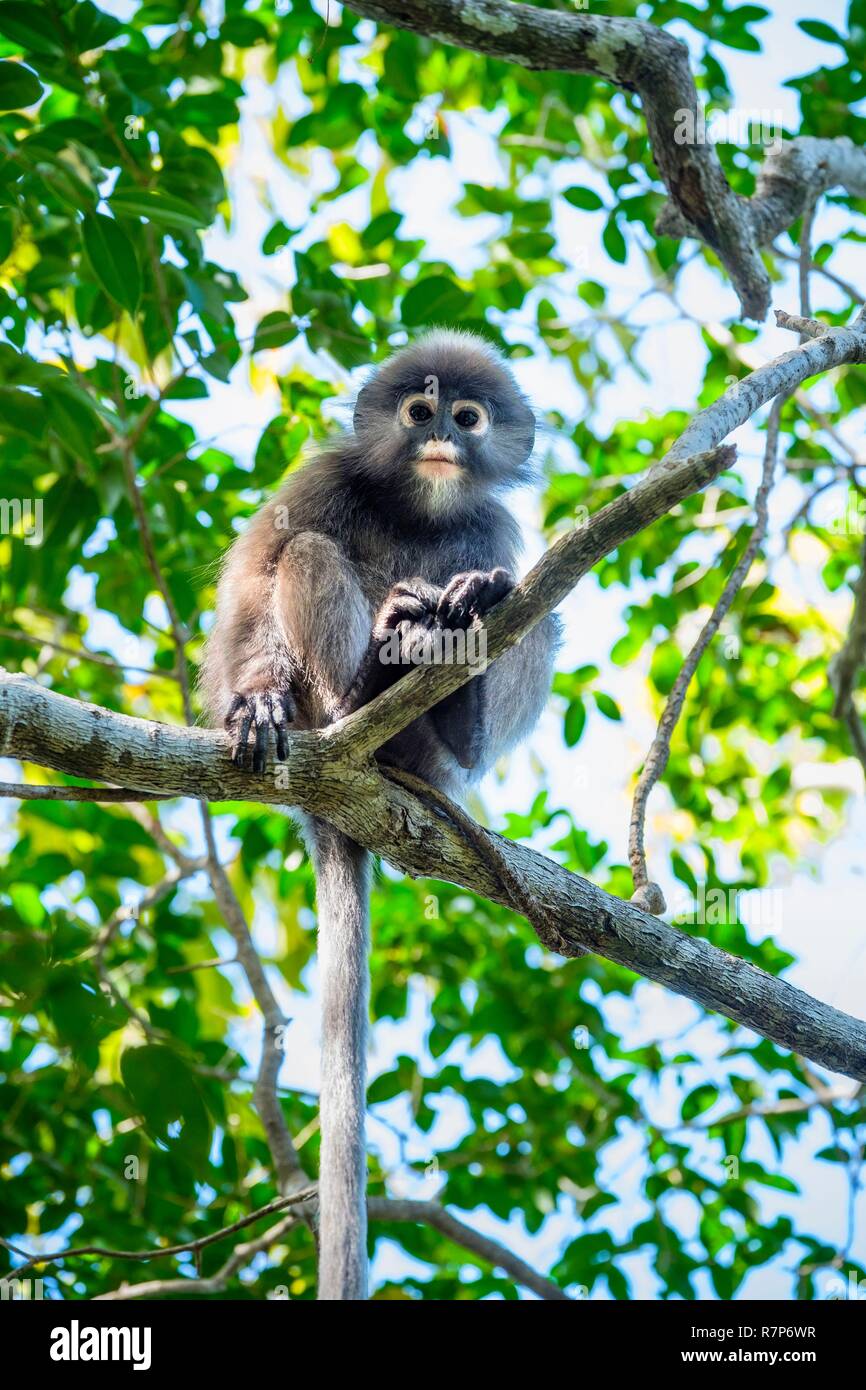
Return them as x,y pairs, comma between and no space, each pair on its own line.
442,423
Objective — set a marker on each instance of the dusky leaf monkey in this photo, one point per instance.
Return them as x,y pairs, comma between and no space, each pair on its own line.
393,532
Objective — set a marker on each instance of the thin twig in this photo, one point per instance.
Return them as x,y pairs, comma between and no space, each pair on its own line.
384,1209
845,666
647,894
101,795
162,1251
11,634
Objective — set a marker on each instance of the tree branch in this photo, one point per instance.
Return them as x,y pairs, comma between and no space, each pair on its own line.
329,771
384,1209
647,894
388,820
846,665
643,58
432,1214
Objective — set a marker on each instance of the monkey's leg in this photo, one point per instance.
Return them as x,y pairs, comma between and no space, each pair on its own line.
305,628
460,721
518,685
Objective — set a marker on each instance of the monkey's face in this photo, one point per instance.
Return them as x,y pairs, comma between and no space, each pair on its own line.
443,423
443,434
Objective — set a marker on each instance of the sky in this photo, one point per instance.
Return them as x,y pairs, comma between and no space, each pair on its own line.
598,774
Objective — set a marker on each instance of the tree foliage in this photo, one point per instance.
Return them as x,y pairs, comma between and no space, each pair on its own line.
126,1092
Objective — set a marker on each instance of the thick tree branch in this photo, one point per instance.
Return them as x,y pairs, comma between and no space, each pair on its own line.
642,58
38,724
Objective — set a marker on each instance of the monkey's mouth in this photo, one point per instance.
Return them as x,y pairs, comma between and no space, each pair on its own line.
438,466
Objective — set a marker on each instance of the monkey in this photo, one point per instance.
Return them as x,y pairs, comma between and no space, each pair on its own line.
394,532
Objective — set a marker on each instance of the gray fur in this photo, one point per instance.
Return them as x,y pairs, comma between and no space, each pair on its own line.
299,595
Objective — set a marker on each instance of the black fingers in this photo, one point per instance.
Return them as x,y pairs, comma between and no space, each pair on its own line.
255,714
410,600
470,596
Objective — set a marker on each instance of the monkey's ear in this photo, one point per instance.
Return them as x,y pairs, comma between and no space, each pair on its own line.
525,428
364,408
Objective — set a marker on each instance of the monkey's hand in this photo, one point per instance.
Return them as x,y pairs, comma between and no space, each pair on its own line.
469,596
249,721
408,609
411,603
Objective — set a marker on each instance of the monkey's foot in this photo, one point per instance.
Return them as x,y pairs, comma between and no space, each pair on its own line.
257,713
469,596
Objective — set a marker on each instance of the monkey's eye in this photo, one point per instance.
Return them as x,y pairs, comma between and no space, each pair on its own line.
470,415
417,410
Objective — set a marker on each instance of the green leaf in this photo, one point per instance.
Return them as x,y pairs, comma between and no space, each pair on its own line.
275,330
166,1093
381,228
18,87
113,259
699,1100
30,26
434,300
817,29
278,236
157,207
584,198
614,241
607,705
575,719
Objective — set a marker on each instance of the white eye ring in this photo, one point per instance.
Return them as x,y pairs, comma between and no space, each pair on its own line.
482,424
418,399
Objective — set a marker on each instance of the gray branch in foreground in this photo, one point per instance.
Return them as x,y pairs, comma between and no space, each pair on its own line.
648,894
70,736
643,58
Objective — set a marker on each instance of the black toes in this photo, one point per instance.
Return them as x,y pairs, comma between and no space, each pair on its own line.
240,751
260,751
409,601
257,714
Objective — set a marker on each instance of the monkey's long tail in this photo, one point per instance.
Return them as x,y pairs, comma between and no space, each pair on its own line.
343,893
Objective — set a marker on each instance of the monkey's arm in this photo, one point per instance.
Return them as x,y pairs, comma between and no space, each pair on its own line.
408,613
291,627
